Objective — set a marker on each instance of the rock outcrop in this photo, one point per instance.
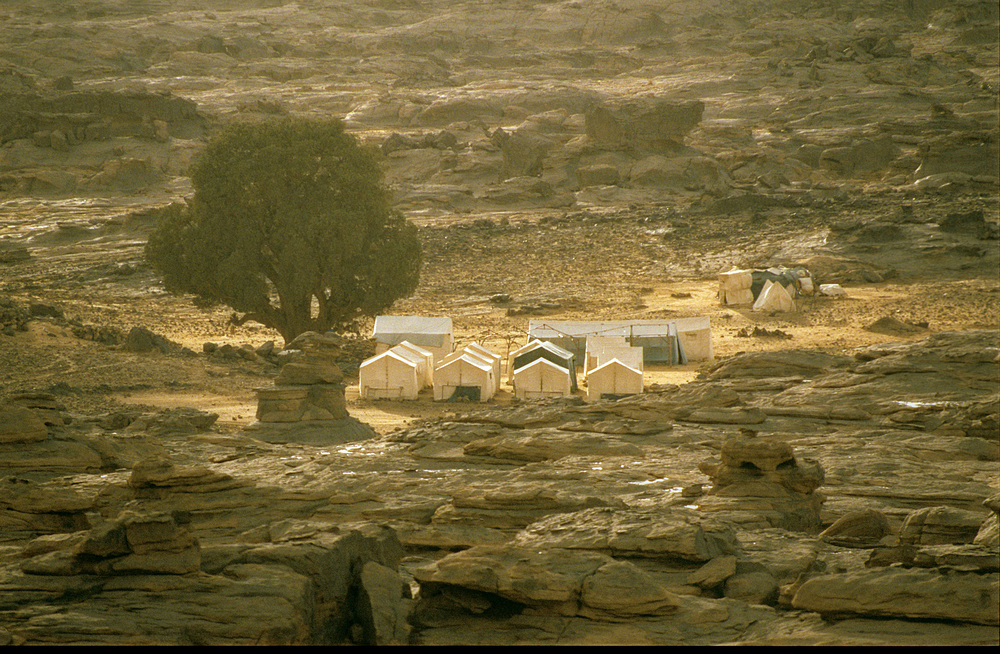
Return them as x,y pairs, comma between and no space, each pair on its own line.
308,390
762,478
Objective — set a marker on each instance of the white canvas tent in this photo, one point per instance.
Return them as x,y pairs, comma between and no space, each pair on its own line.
695,336
613,378
597,344
531,344
486,354
735,287
430,333
601,349
538,349
464,374
630,356
424,359
541,378
388,376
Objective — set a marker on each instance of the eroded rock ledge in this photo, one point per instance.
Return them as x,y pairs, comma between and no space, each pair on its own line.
750,506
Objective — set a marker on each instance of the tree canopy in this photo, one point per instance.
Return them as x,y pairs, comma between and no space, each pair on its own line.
290,225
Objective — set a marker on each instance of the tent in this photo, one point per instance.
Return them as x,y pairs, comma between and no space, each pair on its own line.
788,278
531,344
774,297
389,376
487,354
544,350
695,336
735,287
597,344
613,378
433,334
485,357
541,378
747,286
630,356
423,358
464,375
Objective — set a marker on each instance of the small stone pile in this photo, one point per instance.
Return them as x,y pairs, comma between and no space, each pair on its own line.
309,388
759,480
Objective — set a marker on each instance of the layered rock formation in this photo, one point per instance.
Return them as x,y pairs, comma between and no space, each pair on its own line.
308,389
557,522
762,477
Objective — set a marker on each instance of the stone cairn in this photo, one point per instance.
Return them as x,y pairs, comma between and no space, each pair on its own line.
308,388
762,479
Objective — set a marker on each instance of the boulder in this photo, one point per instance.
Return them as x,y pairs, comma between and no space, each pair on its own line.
937,525
597,175
523,152
19,424
912,594
383,606
140,339
857,528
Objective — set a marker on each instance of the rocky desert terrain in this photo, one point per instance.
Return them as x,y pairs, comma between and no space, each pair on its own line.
830,478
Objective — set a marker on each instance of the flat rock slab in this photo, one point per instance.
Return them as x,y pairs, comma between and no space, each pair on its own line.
893,592
561,582
312,432
680,534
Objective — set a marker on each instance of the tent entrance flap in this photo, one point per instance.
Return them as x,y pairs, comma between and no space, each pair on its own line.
471,393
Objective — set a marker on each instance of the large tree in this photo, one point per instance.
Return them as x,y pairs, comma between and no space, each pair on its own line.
290,225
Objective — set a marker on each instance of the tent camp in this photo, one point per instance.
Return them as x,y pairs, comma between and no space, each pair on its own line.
539,349
660,340
432,334
423,358
541,378
388,376
464,375
613,378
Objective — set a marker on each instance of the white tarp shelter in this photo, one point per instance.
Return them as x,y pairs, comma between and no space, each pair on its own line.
613,378
774,297
388,376
541,378
735,287
430,333
695,335
424,359
466,375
